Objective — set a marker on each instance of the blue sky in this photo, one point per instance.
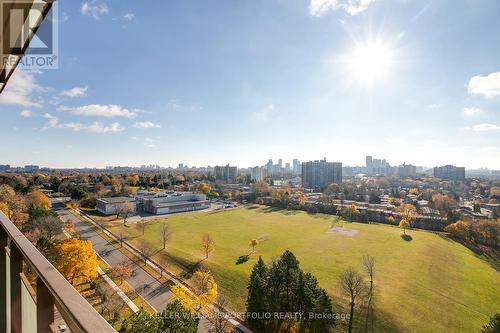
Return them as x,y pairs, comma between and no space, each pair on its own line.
213,82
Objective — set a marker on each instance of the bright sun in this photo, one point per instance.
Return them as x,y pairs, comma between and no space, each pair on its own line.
370,62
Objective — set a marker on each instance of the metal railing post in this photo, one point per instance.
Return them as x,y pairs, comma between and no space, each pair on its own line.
3,280
44,307
16,268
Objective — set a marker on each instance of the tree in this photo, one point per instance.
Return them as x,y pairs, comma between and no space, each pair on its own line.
176,318
220,319
285,288
145,250
16,204
352,212
165,233
142,224
205,292
49,226
204,188
39,200
493,326
123,271
125,210
353,286
140,322
461,230
404,224
407,212
369,267
76,260
256,299
207,244
253,243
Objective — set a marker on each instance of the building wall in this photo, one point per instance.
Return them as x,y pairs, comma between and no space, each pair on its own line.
321,173
450,172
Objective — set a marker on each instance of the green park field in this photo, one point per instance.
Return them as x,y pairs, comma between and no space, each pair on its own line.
428,284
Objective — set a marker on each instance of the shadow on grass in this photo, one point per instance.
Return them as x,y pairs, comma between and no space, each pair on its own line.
272,209
242,259
407,238
188,266
489,254
253,207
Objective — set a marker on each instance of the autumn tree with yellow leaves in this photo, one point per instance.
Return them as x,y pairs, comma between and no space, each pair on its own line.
76,260
205,292
38,200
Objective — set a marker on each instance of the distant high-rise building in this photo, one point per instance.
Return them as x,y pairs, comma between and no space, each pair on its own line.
5,167
450,172
296,166
269,167
369,164
321,173
287,167
257,173
226,173
407,170
31,168
280,163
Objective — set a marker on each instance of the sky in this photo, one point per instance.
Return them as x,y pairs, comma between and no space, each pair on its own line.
240,82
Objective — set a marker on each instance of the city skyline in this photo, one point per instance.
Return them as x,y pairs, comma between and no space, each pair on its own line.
412,82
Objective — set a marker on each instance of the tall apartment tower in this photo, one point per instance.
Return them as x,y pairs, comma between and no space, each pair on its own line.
450,172
226,173
369,164
321,173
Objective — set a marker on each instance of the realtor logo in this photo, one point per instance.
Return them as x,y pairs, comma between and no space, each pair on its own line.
30,30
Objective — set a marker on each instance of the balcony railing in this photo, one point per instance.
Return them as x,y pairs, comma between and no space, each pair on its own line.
24,310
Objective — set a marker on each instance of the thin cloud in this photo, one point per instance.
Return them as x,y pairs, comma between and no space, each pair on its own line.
129,16
94,9
351,7
99,110
485,127
472,111
75,92
146,125
26,113
150,143
487,86
96,127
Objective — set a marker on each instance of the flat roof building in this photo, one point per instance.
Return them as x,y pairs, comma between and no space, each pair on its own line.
321,173
168,203
450,172
110,206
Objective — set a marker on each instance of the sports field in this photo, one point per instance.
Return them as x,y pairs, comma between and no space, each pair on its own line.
428,284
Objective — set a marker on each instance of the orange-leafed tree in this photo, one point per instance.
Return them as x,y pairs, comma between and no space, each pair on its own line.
76,260
123,271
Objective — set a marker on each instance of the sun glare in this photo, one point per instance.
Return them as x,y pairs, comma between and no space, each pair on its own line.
370,62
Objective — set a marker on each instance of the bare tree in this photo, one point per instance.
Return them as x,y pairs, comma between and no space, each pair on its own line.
207,244
145,250
220,318
125,210
165,233
353,286
369,267
142,223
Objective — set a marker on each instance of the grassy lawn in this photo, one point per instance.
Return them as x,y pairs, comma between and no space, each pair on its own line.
429,284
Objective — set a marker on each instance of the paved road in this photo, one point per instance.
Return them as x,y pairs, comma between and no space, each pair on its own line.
155,293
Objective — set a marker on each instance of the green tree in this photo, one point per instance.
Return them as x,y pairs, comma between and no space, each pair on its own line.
493,326
140,322
256,299
176,318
